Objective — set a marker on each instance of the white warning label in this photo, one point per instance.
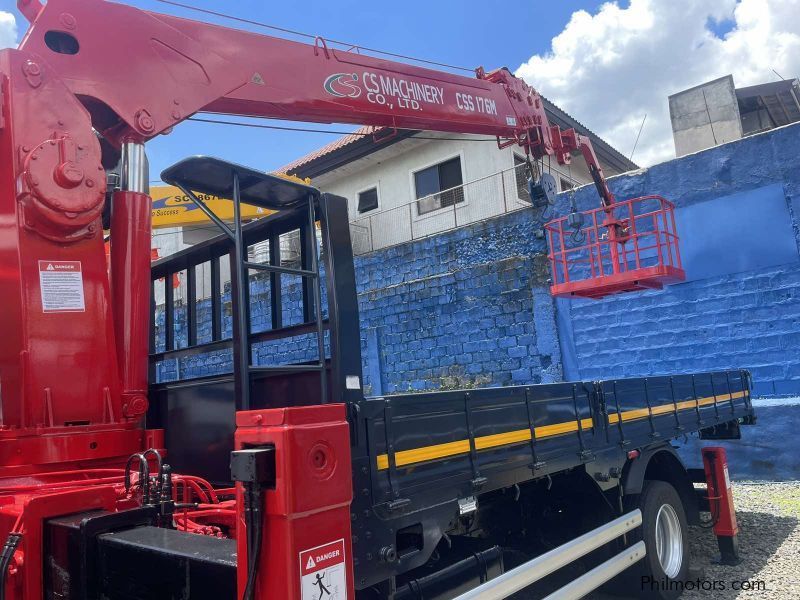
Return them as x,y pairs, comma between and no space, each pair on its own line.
322,572
61,282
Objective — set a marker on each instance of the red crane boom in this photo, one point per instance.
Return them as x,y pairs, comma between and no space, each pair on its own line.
141,73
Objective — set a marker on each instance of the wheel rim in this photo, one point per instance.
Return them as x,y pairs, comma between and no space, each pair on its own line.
669,541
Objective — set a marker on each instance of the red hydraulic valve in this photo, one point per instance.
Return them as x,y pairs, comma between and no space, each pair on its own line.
720,499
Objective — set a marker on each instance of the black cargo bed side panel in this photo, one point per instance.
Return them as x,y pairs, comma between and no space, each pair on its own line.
450,444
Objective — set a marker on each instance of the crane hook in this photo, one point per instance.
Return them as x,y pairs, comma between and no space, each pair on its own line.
575,220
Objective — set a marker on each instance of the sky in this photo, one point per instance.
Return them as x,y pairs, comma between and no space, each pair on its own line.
607,64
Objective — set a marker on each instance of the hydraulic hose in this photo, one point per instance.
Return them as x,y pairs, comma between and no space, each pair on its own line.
254,497
254,468
7,553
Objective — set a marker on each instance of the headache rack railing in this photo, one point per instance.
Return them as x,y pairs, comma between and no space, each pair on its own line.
202,175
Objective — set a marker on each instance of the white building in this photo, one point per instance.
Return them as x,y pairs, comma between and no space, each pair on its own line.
415,184
717,112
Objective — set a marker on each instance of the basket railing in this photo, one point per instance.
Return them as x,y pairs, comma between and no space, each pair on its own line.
630,245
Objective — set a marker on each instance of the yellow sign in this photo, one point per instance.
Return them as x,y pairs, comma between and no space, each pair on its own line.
173,208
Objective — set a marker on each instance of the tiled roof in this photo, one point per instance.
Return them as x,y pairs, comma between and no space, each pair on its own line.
335,145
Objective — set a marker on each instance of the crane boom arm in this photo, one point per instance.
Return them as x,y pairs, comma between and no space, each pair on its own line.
140,73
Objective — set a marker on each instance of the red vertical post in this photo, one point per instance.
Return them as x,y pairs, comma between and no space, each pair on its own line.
306,531
720,499
130,289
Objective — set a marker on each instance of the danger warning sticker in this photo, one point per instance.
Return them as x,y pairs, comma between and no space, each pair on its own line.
322,572
61,282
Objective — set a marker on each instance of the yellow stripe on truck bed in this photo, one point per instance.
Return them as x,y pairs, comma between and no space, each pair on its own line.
487,442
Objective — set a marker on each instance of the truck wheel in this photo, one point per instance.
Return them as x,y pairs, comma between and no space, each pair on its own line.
666,536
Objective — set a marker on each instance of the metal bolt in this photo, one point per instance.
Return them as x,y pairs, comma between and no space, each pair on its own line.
67,20
31,68
388,554
90,183
144,121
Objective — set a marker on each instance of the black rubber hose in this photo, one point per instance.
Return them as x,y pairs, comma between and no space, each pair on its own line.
253,523
12,542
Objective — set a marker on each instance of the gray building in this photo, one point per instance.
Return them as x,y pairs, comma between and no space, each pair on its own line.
717,112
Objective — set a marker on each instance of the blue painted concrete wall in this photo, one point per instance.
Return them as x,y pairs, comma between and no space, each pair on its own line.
737,210
766,451
465,309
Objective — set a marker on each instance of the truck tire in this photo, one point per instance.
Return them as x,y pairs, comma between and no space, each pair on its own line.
665,532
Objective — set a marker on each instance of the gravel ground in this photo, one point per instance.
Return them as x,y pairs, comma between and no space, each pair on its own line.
769,544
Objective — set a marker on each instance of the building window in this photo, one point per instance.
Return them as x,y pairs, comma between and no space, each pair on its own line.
439,186
566,185
521,178
367,200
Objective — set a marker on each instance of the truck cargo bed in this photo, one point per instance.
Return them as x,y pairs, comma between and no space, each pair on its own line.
485,438
425,452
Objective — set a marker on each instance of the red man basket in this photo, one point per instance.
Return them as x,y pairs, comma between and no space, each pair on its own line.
628,246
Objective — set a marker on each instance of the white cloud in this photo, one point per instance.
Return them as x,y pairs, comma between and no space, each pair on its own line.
610,68
8,30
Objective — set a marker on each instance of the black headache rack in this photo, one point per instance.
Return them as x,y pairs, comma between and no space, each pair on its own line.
307,294
418,459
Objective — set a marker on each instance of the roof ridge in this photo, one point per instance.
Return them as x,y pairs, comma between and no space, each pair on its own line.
336,144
